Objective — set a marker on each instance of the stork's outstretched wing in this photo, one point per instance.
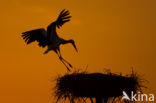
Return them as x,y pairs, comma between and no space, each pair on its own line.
39,35
62,18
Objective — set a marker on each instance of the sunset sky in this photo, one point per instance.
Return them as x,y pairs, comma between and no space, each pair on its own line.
112,34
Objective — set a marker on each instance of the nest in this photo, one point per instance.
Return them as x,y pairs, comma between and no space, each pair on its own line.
80,85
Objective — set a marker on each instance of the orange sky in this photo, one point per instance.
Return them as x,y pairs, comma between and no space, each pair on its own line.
114,34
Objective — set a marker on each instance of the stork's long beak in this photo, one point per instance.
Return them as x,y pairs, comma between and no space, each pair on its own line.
73,43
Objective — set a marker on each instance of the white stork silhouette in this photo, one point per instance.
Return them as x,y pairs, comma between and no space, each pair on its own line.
50,38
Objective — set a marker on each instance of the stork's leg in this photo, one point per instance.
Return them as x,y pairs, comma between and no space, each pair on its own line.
65,65
63,58
67,62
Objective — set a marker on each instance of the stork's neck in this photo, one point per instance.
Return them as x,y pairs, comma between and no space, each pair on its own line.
69,41
66,41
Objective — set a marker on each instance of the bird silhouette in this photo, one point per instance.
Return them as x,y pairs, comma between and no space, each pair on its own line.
50,37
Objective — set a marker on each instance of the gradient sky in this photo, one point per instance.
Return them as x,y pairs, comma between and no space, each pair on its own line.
112,34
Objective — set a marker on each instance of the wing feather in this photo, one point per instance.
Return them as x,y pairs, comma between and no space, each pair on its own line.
39,35
63,18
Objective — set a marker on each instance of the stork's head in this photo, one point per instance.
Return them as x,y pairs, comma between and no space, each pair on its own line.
69,41
73,43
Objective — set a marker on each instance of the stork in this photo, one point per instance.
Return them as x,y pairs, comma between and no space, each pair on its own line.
50,37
